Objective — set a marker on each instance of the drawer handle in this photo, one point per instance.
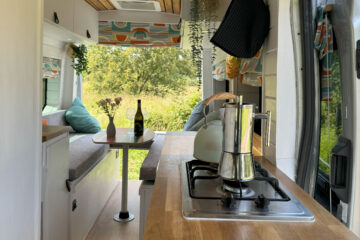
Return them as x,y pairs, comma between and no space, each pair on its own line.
358,58
56,18
88,35
74,205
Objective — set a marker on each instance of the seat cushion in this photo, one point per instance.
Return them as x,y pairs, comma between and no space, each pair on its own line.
149,166
84,155
195,116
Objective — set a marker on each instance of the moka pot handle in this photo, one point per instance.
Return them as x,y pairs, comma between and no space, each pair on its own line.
267,117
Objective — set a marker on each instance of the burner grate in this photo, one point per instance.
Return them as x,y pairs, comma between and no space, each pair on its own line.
194,166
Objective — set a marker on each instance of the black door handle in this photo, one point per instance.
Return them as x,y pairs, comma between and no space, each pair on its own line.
56,18
358,58
88,35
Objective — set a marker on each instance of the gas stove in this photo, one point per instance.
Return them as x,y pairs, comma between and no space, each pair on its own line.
205,195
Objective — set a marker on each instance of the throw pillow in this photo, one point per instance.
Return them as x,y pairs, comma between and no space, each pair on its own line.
80,119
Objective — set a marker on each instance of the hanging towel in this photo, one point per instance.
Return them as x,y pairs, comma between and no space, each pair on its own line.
324,44
232,66
249,69
244,28
251,79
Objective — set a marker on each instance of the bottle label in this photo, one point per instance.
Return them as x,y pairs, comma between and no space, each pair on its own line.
139,128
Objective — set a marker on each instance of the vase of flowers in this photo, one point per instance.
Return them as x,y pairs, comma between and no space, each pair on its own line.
109,106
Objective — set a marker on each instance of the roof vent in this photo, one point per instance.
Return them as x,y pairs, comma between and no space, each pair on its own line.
137,5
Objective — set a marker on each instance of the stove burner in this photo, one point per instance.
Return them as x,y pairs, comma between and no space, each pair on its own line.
236,187
229,191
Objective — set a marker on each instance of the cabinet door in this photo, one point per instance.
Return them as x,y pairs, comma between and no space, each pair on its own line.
56,198
86,21
64,9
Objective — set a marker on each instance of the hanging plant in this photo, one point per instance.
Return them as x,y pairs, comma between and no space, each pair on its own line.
196,37
79,59
202,13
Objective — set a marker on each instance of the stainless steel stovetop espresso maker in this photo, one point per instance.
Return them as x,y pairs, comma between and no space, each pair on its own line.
236,163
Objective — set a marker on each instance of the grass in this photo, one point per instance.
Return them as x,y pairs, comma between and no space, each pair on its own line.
168,113
324,147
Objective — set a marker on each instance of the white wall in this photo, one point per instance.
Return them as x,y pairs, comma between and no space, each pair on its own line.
68,80
286,94
270,78
20,118
355,224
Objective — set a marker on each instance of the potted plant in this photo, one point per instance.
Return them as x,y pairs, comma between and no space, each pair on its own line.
79,59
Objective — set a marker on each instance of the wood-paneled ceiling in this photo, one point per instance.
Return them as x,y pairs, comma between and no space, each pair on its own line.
169,6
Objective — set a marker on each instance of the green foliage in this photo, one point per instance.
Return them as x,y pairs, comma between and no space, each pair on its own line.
164,79
155,71
331,121
176,113
79,59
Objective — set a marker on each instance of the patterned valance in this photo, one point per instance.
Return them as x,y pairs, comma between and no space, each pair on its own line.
130,34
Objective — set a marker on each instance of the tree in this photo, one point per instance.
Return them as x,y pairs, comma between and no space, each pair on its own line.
154,71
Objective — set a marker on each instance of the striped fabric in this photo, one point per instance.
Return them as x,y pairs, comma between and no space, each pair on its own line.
219,71
324,44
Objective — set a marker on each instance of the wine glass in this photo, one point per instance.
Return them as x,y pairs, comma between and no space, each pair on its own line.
144,112
130,114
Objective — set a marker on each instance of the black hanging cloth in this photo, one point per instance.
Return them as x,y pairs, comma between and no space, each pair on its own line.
244,28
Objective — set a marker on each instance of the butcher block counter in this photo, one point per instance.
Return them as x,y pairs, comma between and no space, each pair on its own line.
165,219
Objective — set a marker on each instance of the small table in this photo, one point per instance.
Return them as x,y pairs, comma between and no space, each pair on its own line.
125,140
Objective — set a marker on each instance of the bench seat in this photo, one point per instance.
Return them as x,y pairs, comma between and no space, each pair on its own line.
149,166
84,155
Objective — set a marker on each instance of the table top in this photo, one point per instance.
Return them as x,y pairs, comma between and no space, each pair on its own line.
124,136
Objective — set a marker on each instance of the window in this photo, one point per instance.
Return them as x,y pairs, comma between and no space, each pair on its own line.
51,82
330,118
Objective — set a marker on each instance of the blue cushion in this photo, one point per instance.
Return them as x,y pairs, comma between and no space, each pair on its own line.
80,119
195,116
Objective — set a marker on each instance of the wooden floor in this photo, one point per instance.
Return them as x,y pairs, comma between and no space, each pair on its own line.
106,228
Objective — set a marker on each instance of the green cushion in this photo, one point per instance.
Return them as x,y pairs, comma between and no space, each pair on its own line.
80,119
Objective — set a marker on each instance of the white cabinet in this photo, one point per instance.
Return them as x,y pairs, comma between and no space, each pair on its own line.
86,21
75,16
55,197
60,12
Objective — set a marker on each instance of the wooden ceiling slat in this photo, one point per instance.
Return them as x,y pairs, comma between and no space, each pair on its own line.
168,6
177,6
162,5
107,4
172,6
96,4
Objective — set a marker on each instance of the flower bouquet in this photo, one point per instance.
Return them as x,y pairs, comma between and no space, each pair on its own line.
109,106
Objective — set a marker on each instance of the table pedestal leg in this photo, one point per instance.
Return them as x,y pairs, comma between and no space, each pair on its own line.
124,215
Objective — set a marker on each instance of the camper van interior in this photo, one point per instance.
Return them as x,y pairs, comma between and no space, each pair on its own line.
260,139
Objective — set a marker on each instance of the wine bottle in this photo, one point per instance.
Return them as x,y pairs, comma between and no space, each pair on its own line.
139,121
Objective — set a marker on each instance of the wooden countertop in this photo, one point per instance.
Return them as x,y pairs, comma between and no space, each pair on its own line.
50,132
165,219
